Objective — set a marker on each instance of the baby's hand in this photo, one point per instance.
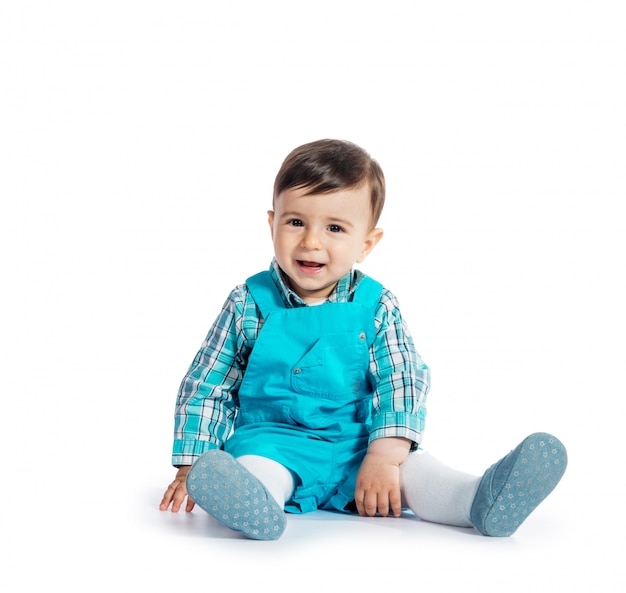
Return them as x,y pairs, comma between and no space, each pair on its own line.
378,480
177,491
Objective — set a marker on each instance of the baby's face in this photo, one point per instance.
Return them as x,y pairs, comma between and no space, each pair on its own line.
319,237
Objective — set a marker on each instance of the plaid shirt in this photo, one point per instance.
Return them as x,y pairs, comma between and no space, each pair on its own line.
207,400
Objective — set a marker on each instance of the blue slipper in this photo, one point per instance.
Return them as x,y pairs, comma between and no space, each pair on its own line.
226,490
513,487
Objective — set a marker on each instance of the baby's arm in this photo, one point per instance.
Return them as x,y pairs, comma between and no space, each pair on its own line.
378,480
177,491
206,399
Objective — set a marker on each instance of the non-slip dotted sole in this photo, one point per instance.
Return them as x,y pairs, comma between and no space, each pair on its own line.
518,483
227,491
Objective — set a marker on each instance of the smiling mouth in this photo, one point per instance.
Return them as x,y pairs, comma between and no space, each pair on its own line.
310,266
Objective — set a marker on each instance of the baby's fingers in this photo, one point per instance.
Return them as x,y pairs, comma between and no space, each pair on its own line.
167,498
190,504
366,502
383,505
175,495
395,500
179,497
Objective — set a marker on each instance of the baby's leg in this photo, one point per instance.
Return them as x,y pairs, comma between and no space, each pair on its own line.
235,496
436,492
496,503
276,478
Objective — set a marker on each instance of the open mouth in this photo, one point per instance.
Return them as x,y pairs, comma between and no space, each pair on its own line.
309,266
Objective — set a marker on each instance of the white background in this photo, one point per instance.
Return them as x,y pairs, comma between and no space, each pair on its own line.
138,145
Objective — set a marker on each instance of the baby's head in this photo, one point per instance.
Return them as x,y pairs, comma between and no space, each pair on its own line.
326,166
328,196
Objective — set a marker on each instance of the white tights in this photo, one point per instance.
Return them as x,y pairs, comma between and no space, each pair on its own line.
275,477
432,490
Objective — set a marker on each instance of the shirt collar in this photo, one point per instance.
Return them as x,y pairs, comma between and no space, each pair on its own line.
341,293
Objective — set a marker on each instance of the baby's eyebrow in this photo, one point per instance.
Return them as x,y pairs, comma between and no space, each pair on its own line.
291,215
341,222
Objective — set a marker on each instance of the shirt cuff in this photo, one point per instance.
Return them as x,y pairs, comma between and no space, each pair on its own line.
185,452
398,424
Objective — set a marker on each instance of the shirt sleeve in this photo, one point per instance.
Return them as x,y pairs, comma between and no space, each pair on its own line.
207,399
399,377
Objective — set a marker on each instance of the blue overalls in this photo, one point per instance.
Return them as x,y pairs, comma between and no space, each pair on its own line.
305,399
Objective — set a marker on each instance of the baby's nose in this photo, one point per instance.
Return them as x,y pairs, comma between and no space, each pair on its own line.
311,240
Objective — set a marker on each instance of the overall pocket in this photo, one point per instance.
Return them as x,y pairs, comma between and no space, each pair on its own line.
335,367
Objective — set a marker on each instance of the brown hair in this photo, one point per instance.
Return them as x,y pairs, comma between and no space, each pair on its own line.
325,166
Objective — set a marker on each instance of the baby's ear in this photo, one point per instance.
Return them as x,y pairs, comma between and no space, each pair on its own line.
372,239
270,220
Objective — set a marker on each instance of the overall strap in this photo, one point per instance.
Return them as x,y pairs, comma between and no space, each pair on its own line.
268,299
265,293
367,292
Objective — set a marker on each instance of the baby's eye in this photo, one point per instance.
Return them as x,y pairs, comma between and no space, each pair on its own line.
334,228
295,222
